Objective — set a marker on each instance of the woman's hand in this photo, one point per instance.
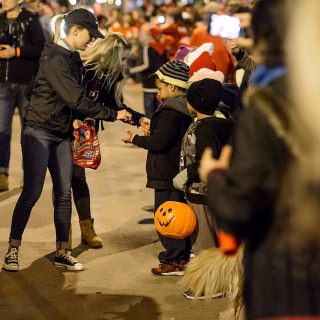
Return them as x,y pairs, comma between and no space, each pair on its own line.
124,115
208,163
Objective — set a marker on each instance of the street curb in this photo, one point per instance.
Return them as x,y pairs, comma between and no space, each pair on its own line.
7,194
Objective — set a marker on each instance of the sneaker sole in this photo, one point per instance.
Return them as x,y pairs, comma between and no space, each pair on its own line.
214,296
10,268
175,273
70,268
97,246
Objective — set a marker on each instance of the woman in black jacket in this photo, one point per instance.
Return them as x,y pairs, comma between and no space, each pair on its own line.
56,95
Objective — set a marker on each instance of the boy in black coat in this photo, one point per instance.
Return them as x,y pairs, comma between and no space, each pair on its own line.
203,98
168,126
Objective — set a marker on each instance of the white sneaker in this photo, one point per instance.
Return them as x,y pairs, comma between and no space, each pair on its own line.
66,260
189,295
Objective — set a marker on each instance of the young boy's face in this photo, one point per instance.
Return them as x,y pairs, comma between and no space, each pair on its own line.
164,89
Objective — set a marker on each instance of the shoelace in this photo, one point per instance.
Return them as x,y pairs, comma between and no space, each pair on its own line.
12,255
164,266
69,257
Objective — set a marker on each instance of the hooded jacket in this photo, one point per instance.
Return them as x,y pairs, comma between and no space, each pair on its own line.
26,34
208,132
168,126
57,92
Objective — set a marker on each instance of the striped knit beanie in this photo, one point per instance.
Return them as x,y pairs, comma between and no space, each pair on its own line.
174,72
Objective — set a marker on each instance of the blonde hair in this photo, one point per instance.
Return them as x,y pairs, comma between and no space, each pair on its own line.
56,26
105,58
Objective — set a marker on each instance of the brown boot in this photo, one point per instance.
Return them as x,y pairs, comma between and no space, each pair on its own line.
4,182
88,235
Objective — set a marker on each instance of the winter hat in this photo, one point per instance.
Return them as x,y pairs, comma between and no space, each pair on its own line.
84,18
174,72
203,61
204,95
205,73
201,57
195,54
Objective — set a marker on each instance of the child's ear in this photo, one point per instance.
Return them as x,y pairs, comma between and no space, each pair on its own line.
172,87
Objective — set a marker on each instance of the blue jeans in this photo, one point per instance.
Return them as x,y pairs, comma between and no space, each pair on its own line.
176,249
150,103
41,150
11,96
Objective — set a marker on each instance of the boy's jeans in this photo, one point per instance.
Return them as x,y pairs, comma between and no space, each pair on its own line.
42,149
11,96
176,249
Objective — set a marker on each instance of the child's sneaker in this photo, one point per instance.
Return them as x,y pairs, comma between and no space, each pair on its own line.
169,269
11,261
189,295
66,260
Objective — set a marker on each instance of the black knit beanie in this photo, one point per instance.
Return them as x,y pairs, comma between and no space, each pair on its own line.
204,95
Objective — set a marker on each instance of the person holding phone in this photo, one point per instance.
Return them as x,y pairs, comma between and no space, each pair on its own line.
21,43
57,93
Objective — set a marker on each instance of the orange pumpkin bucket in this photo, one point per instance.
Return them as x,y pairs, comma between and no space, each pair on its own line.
175,220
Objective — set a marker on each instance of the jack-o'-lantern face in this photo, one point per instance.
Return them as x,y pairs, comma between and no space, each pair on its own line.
175,220
165,217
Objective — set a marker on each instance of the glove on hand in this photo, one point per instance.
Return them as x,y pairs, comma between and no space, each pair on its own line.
180,180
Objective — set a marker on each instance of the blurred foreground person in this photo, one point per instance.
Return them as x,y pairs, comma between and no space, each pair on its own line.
263,191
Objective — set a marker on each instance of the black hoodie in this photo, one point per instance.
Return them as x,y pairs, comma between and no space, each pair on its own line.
210,132
168,126
57,92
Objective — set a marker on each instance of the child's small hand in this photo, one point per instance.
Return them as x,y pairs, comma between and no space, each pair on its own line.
180,180
129,138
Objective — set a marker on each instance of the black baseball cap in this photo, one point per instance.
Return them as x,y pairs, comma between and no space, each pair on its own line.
84,18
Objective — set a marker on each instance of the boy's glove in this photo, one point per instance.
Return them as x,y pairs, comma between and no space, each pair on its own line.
180,180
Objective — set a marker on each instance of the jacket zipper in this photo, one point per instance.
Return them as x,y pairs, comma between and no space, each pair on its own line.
7,62
7,70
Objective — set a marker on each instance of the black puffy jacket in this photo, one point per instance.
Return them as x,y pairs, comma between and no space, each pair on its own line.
168,126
